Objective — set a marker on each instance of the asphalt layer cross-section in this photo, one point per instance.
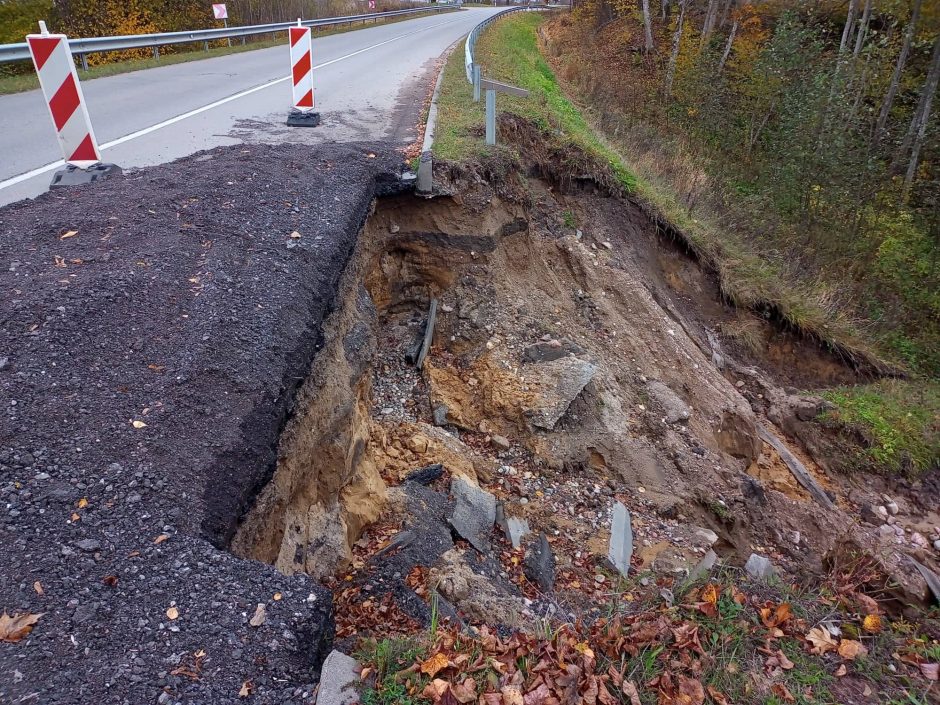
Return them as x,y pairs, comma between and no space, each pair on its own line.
174,297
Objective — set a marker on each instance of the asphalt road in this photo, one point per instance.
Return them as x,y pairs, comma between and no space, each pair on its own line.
368,85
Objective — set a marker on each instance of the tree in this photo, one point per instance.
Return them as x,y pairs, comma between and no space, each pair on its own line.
918,129
647,25
728,44
896,76
676,43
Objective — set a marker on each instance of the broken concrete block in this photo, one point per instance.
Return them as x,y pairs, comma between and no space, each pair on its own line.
338,680
707,535
559,382
440,415
516,529
474,513
620,550
759,567
539,565
500,442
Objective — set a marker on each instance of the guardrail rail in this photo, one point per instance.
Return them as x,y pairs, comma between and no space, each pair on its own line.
81,47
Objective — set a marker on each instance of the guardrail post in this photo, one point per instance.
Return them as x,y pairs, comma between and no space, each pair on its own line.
490,117
84,59
206,45
477,73
156,52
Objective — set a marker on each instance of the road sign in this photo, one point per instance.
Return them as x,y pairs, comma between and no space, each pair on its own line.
219,11
301,64
63,93
371,4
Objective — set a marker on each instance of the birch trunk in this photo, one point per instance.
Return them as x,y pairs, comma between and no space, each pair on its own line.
676,42
918,129
896,76
730,42
647,26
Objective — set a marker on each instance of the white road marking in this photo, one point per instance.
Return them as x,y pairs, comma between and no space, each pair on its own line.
184,116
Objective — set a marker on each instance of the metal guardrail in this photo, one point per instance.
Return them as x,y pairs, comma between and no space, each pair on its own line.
20,51
476,31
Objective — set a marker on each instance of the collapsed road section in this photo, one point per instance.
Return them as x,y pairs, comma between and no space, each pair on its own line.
154,330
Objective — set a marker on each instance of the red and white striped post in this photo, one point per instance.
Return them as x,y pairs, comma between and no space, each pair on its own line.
301,68
63,93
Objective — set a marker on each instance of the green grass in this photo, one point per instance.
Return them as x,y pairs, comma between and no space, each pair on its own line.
389,657
899,420
508,51
29,81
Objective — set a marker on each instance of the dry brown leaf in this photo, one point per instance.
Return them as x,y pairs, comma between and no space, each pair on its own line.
435,689
277,597
172,613
138,424
780,690
785,663
257,619
931,671
777,616
245,690
840,671
716,695
70,233
14,628
465,692
110,580
295,235
37,586
868,604
434,665
512,695
691,691
82,503
821,640
849,649
629,689
161,538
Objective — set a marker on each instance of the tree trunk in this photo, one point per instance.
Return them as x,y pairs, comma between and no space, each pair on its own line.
665,7
896,76
849,26
862,29
727,52
647,26
676,42
710,15
918,127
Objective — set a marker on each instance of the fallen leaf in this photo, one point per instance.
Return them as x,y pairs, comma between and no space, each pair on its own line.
14,628
257,619
200,653
435,689
82,503
110,580
76,517
785,663
465,692
172,613
161,538
849,649
841,671
872,623
512,695
70,233
138,424
295,235
780,690
277,597
868,604
821,640
931,671
37,586
691,691
777,616
245,690
434,665
629,689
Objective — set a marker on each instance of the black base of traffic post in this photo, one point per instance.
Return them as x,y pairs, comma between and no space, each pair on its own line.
301,118
72,175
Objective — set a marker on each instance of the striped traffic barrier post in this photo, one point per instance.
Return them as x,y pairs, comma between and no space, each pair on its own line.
63,93
301,67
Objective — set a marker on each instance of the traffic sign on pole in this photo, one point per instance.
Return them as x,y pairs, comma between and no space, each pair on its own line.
219,11
63,93
301,61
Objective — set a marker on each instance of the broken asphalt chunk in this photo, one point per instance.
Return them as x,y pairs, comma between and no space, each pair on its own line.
426,475
474,513
539,566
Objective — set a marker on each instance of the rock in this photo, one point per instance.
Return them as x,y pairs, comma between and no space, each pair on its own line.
737,436
539,565
479,597
547,351
620,550
886,533
707,535
417,444
892,508
870,515
474,513
703,566
500,442
759,567
669,403
338,680
399,540
917,539
607,245
393,228
753,490
516,529
88,545
426,475
440,415
936,545
558,382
